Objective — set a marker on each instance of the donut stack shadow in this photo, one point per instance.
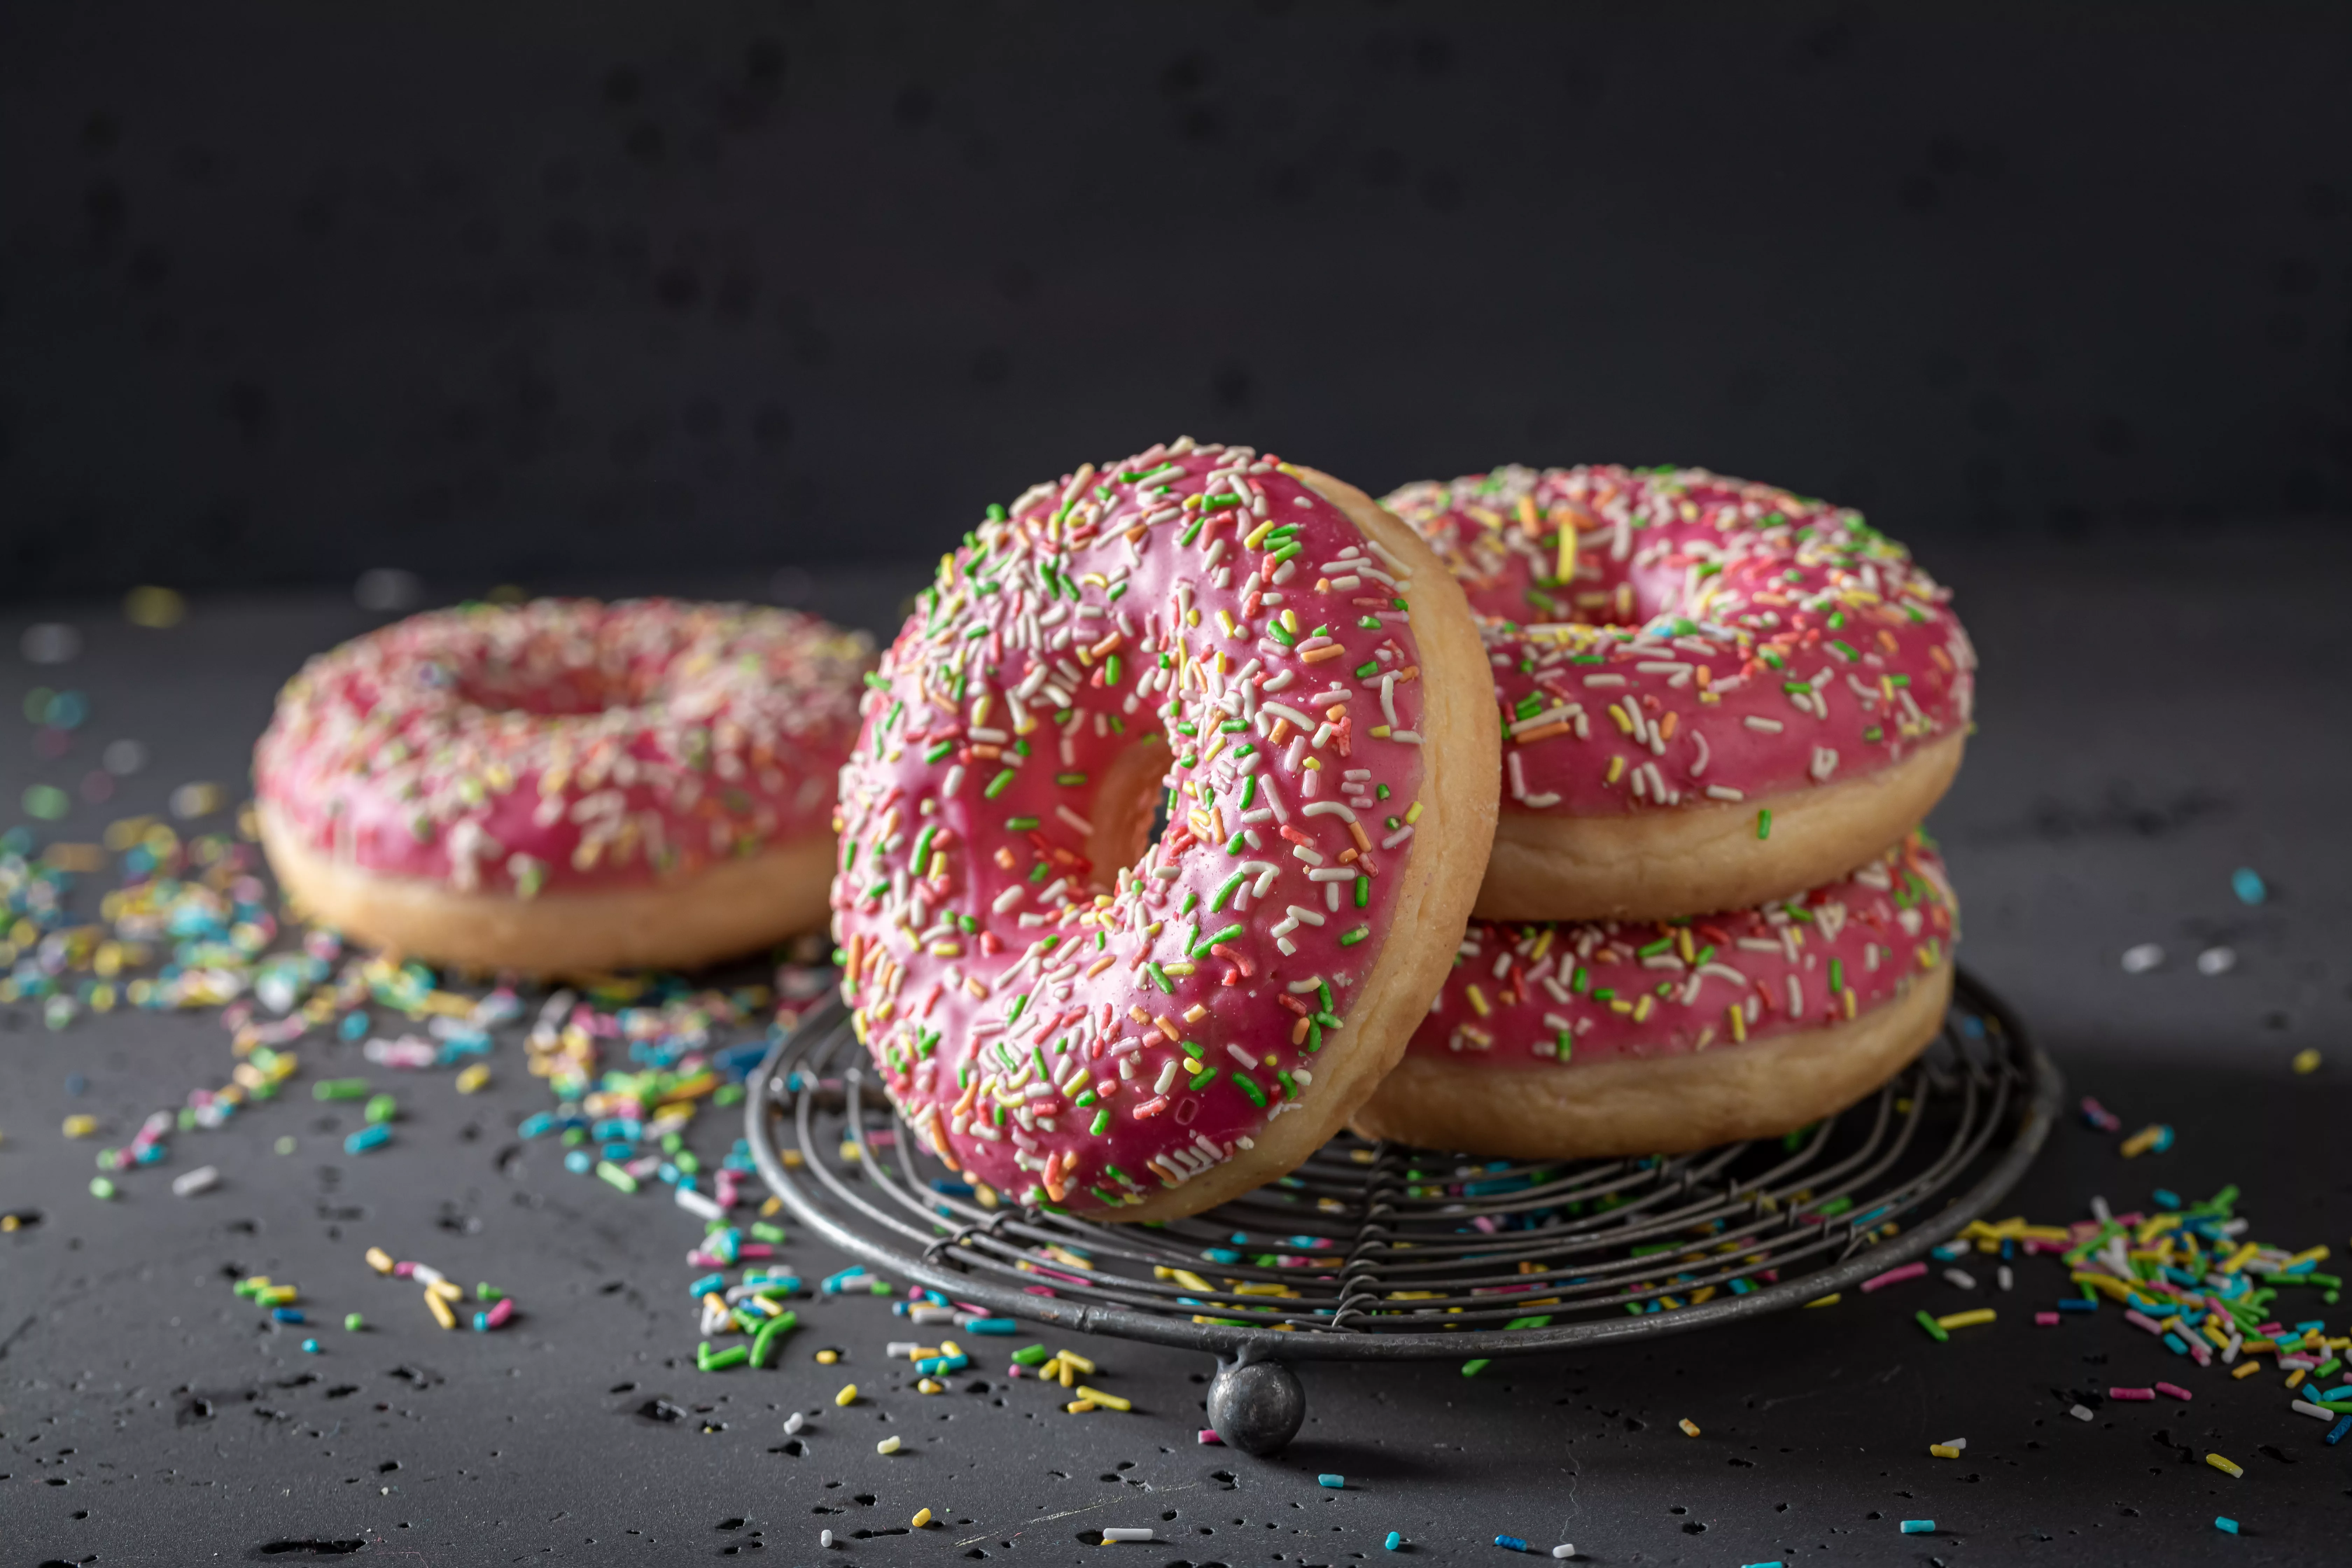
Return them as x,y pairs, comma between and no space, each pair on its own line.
1710,914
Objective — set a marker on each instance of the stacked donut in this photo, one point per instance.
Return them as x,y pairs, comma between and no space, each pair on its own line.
1708,913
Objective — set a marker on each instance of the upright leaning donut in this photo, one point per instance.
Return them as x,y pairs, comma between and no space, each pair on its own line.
1087,1015
564,787
1606,1039
1715,692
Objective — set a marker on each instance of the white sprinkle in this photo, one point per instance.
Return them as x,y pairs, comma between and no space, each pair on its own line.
2079,1414
794,1422
202,1179
1117,1533
2007,1278
1962,1278
2141,959
2217,961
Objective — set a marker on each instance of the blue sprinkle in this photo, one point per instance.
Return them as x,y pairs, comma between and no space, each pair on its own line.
1221,1254
1919,1526
579,1163
309,1347
286,1315
992,1326
2166,1198
2335,1433
1510,1543
2178,1345
367,1138
2075,1304
2222,1521
1395,1539
706,1285
2247,883
1334,1482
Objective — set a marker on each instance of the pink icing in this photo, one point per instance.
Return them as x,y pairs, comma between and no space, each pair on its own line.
1722,641
564,745
1088,1034
1526,996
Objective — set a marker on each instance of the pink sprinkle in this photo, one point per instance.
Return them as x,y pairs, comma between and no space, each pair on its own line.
2174,1391
1013,1370
2197,1353
2269,1330
2131,1393
1037,1290
1208,1436
1894,1276
2045,1319
501,1310
2133,1316
403,1270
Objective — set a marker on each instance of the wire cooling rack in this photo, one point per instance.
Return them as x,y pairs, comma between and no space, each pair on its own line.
1378,1251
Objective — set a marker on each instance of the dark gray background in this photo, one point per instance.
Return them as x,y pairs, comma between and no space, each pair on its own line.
509,292
2152,719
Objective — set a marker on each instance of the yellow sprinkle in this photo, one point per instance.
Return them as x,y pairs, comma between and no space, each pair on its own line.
2141,1141
1831,1300
826,1358
931,1386
2306,1060
922,1518
849,1394
1068,1373
474,1078
1567,548
1109,1401
1075,1360
441,1312
1079,1407
1943,1450
886,1445
2224,1466
1965,1319
2247,1369
1689,1427
448,1289
81,1126
2315,1254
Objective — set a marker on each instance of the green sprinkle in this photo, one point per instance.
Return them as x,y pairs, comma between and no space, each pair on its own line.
1249,1087
1101,1123
1935,1331
616,1177
996,785
1355,936
1019,824
1763,822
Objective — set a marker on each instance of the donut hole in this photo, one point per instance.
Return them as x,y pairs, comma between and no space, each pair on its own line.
1131,809
1605,591
551,689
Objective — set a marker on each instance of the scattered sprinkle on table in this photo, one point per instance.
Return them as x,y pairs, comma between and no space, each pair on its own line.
1331,1480
886,1445
1919,1527
2235,1472
2222,1521
1689,1427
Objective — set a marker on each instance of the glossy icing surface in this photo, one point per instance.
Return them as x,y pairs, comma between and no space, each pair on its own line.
1547,996
1718,642
564,745
1062,1024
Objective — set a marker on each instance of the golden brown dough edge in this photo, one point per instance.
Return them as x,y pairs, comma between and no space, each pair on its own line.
1698,859
726,910
1462,759
1659,1105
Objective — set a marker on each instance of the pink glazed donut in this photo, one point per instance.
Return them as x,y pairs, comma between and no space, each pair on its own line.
1071,1009
1607,1038
564,787
1740,693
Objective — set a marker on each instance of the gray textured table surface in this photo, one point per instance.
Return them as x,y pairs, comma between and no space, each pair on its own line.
2152,719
